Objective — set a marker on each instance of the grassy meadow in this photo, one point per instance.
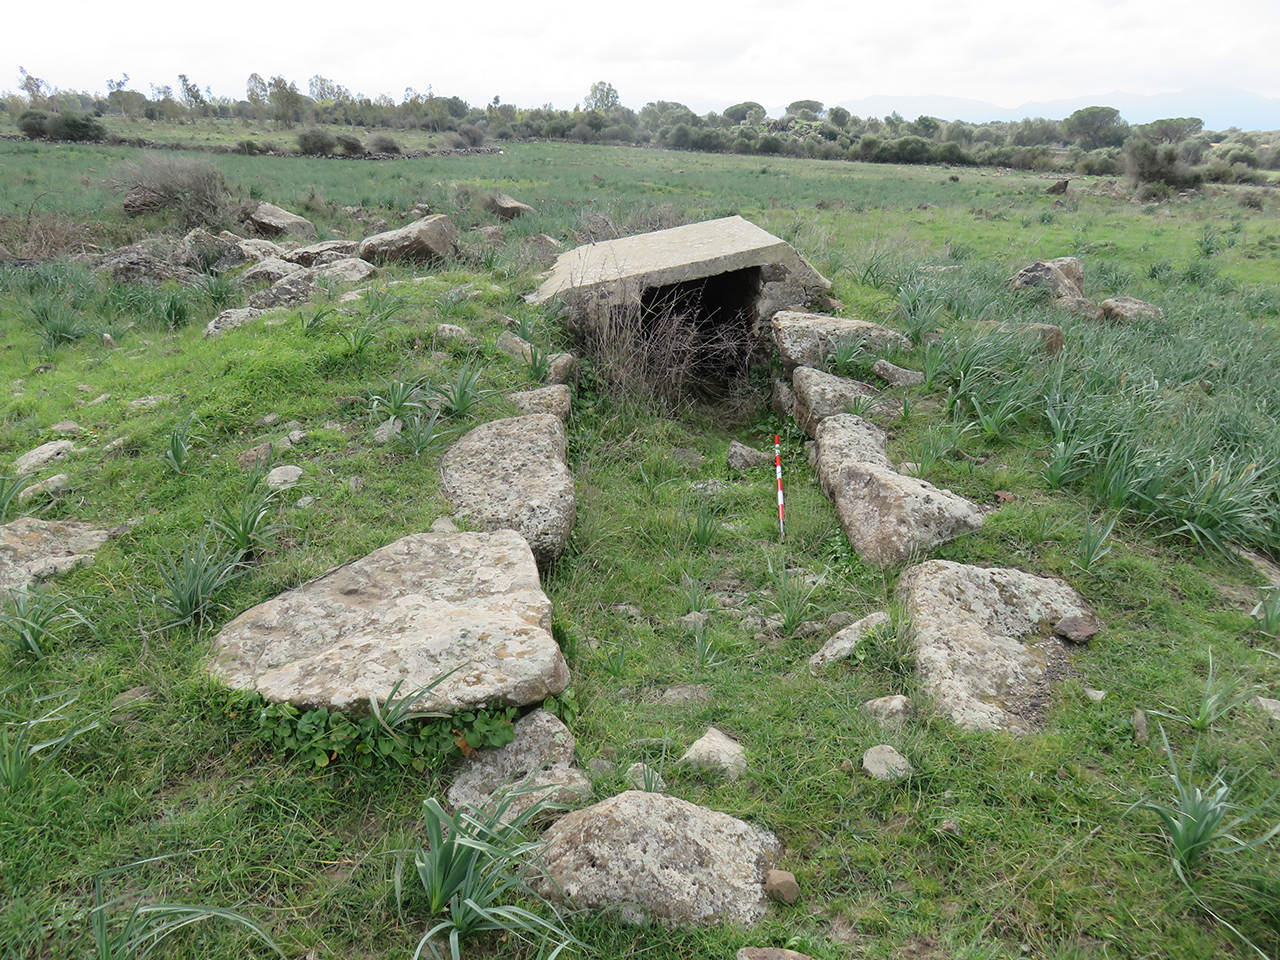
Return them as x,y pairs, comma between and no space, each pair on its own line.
1164,433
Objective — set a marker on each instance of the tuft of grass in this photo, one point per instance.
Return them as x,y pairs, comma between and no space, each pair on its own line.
1266,614
1093,543
33,618
792,595
461,396
192,580
246,527
21,750
1219,696
177,453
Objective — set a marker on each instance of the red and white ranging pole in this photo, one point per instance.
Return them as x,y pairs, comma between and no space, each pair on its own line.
782,513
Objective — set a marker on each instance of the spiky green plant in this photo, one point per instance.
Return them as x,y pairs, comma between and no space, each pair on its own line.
32,618
192,580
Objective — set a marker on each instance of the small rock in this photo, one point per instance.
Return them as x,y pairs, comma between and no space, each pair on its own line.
1097,696
268,419
843,643
45,488
148,402
688,458
883,762
355,484
781,885
713,750
892,710
554,400
282,478
769,953
129,697
600,767
1076,629
387,431
514,347
562,368
42,455
896,376
296,438
67,428
682,693
443,525
744,459
255,458
641,776
306,502
693,621
1140,733
708,489
950,826
1268,706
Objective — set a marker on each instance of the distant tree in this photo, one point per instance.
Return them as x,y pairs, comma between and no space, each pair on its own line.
191,96
925,126
838,116
894,123
795,106
1170,129
1095,127
739,111
1034,132
603,97
286,101
256,93
37,90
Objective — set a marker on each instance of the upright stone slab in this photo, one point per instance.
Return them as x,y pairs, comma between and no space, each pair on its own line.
431,238
984,638
654,858
511,474
820,395
409,612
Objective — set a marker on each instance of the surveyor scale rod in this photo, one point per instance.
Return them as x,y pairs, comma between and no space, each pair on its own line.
782,512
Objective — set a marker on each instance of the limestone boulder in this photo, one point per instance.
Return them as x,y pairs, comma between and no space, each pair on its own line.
431,238
289,291
554,400
507,208
253,248
465,607
1079,306
1064,277
744,459
324,252
511,475
653,858
806,339
230,320
984,643
201,250
268,220
820,395
146,262
844,642
716,751
537,763
888,518
269,270
32,550
42,456
895,375
1129,308
345,270
843,441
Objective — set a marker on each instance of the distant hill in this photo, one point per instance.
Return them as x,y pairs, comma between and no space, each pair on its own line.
1219,107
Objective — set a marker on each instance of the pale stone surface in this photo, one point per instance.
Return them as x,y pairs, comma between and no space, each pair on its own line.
1269,707
230,320
45,488
982,637
289,291
820,395
744,459
42,456
282,478
806,339
554,400
67,428
715,751
538,763
889,518
1129,308
562,368
451,331
654,858
270,270
32,550
272,221
507,208
781,885
387,431
431,238
891,711
326,251
409,612
511,474
1064,276
883,762
844,441
149,402
515,347
770,953
347,270
895,375
253,248
618,271
842,644
1080,307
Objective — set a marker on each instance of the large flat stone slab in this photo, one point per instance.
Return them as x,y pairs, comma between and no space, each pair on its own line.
820,395
511,475
32,550
411,611
649,857
616,271
807,339
984,639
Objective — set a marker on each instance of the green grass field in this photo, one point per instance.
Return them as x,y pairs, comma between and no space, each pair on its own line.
995,847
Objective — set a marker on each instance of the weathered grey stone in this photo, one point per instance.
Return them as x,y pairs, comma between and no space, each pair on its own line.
270,270
431,238
253,248
1080,307
42,456
324,252
685,693
844,441
282,478
1129,308
820,395
387,431
451,331
654,858
888,518
1269,707
146,262
1097,696
770,953
291,290
883,762
45,488
1064,276
619,271
271,221
149,402
845,641
715,751
983,637
1140,731
410,612
255,458
32,550
346,270
511,474
781,885
515,347
443,525
1076,629
891,711
562,368
507,208
781,400
806,339
230,320
554,400
744,459
538,760
897,376
67,428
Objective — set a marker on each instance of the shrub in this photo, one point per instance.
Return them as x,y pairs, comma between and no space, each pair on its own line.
194,189
70,125
315,141
1144,162
32,124
250,148
471,135
349,145
383,143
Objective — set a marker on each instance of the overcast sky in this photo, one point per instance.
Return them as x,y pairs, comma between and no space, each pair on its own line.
705,55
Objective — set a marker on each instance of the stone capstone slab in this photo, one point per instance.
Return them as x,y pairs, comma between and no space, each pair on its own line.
984,638
807,339
409,613
619,271
820,395
538,763
844,440
268,220
32,550
431,238
511,474
649,857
